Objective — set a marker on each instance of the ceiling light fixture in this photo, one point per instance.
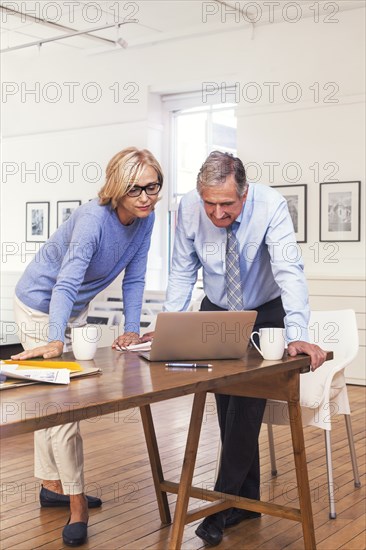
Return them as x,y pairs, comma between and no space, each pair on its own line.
121,42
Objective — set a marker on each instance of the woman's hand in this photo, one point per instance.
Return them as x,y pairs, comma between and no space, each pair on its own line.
126,339
53,349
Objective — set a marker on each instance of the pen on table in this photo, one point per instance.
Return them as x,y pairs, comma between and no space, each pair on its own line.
189,365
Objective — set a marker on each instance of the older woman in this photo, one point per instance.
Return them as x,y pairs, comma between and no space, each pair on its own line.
86,253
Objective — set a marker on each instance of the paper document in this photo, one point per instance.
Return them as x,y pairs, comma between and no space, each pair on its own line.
145,346
52,376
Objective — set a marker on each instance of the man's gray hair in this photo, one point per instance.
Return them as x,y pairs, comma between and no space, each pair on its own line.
217,167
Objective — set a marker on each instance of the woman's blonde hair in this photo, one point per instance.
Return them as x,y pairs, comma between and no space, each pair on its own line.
123,171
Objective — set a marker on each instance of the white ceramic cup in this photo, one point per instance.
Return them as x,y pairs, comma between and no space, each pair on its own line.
271,341
84,342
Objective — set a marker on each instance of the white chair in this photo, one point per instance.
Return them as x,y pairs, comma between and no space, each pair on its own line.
107,335
111,310
153,302
147,323
99,317
154,296
323,393
151,308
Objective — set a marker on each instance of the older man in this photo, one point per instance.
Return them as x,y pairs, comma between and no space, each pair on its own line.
254,223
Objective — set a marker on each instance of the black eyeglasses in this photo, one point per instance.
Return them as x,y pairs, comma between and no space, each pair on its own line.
151,189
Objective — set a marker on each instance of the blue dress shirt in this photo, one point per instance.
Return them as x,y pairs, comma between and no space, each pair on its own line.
270,259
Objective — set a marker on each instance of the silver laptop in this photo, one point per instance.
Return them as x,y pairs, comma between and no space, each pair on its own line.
196,335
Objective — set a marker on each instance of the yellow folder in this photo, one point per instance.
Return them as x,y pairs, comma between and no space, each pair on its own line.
29,364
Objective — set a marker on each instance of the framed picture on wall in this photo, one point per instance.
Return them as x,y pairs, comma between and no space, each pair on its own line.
65,209
340,211
296,197
37,218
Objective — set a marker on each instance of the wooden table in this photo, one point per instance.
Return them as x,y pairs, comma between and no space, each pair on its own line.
128,382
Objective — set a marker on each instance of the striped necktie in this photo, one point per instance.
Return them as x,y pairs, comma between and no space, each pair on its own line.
233,280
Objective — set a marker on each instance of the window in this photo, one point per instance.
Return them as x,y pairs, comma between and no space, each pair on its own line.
197,132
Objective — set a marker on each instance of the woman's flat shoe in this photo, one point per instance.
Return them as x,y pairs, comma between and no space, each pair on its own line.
50,499
75,534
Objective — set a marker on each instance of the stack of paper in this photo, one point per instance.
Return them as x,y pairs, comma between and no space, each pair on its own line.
35,373
22,373
53,376
145,346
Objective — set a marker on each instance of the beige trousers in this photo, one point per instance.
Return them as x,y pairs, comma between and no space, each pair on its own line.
58,451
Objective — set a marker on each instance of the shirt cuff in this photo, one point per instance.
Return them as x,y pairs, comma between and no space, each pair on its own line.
132,327
295,332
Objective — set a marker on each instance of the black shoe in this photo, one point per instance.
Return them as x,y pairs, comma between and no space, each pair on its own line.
237,515
50,499
210,531
75,534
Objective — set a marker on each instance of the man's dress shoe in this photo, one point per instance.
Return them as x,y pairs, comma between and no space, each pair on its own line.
237,515
210,531
75,534
50,499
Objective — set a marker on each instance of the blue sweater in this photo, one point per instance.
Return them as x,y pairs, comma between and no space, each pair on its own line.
82,257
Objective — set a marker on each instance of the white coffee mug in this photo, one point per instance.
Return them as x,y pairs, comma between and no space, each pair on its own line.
271,341
84,342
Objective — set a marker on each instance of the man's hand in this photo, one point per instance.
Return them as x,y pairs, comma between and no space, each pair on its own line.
53,349
318,356
147,337
126,339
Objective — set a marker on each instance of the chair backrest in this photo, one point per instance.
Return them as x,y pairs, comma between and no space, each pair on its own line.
111,310
100,318
154,296
333,331
336,331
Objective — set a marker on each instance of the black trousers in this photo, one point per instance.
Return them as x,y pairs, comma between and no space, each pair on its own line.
240,420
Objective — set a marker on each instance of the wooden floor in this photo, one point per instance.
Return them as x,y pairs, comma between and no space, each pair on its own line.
117,469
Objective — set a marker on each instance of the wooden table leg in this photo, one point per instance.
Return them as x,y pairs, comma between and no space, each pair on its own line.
155,463
187,471
298,445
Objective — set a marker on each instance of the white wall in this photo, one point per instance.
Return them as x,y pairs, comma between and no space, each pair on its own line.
58,150
83,131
